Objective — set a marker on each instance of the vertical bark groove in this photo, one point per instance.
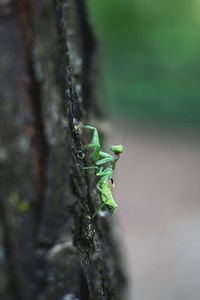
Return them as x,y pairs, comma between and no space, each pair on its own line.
39,141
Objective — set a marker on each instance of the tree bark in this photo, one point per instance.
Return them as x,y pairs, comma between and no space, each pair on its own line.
50,247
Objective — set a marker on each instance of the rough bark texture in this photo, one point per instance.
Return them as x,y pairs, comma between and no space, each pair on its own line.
50,247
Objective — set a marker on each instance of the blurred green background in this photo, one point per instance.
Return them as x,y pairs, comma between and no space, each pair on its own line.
150,58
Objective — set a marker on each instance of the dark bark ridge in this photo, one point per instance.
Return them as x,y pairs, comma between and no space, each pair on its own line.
50,247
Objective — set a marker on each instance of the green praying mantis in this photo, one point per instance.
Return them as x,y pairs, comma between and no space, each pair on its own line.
104,164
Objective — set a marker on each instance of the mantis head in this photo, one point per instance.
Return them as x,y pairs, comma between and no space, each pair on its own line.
116,149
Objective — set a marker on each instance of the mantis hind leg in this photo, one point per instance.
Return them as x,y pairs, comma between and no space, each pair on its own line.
101,205
92,167
94,143
98,209
95,137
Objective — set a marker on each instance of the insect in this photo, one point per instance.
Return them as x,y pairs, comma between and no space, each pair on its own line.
104,164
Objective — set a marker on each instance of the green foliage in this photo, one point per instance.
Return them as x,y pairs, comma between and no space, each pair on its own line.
150,55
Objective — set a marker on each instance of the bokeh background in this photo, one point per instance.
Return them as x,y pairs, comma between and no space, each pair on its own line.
150,89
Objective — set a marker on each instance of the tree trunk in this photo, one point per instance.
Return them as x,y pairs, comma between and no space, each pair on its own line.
50,247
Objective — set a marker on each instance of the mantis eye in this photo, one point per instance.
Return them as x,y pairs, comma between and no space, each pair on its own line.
116,149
